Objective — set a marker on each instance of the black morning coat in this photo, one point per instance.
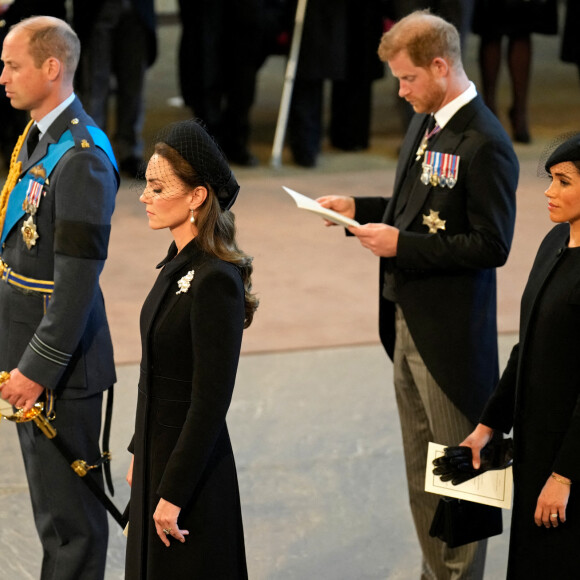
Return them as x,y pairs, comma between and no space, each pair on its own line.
446,281
191,344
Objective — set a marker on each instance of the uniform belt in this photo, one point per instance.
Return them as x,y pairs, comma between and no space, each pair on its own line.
10,277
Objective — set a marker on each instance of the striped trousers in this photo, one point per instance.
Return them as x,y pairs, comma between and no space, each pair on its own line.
426,414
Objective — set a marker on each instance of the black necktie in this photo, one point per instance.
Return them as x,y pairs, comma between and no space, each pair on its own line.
431,123
32,139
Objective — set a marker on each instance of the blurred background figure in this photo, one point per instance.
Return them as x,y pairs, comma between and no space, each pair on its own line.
339,44
571,38
458,12
351,103
13,121
223,44
118,39
517,20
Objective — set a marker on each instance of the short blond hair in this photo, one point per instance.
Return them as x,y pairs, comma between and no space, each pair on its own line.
51,37
425,37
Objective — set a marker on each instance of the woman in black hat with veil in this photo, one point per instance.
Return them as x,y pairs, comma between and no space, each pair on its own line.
185,518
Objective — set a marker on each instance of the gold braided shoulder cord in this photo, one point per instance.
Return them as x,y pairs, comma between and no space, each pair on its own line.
13,174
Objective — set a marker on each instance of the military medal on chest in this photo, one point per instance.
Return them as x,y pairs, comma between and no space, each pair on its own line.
436,167
425,141
29,233
425,173
440,169
433,222
31,202
452,170
444,169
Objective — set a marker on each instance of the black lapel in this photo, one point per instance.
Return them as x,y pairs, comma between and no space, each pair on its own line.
407,156
541,271
191,257
447,140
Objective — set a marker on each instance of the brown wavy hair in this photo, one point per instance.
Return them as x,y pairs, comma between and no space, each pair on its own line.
216,228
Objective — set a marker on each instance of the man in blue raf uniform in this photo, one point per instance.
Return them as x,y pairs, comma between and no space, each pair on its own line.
55,216
440,237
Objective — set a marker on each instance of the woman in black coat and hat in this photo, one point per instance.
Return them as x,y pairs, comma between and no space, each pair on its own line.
185,518
539,392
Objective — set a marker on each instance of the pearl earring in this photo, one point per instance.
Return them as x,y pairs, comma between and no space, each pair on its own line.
192,218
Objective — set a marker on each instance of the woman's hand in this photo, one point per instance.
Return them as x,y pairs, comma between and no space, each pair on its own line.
477,440
129,476
165,518
552,503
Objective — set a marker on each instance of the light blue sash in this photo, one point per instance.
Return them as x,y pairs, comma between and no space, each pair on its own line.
15,210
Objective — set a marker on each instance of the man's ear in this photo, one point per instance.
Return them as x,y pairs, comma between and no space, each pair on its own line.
53,68
440,66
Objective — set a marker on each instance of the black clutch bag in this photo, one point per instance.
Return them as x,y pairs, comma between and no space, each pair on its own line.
458,522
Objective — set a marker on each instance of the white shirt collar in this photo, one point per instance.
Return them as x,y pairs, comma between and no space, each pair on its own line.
444,115
48,119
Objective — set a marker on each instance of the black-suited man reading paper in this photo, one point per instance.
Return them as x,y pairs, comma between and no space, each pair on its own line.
440,236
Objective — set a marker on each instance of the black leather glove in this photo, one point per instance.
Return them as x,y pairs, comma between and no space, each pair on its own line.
456,465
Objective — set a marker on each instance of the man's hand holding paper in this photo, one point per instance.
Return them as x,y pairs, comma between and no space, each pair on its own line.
380,239
338,203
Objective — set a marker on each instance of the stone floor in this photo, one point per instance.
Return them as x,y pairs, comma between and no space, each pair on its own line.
318,451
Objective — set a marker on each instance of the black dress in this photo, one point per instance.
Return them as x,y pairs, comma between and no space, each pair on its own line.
570,36
191,343
540,388
515,17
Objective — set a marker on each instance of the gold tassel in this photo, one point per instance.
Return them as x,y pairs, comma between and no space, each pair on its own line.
13,174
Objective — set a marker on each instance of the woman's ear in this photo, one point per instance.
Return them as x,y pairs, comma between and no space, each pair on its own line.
198,197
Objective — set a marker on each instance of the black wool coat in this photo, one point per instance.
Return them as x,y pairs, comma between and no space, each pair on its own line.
340,41
191,342
570,51
539,395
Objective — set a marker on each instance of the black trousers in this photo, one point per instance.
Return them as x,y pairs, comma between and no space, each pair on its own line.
350,115
218,64
70,520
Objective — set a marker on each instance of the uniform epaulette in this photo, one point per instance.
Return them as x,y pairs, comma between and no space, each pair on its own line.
81,135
